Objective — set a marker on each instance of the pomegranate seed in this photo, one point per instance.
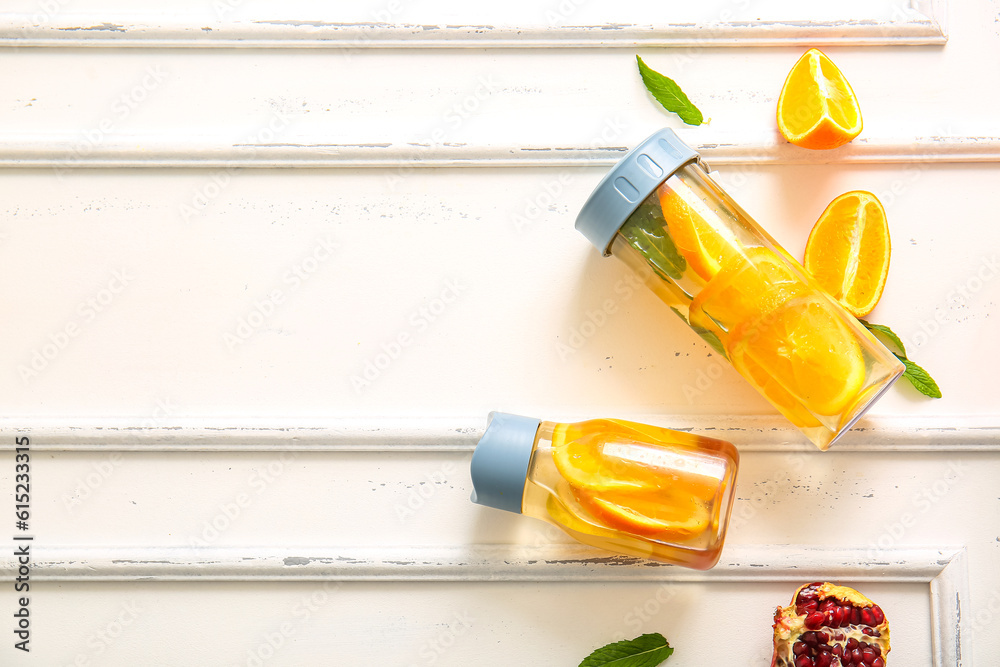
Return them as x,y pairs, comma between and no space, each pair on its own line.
810,592
855,616
838,651
838,618
867,617
868,655
814,620
822,638
876,648
807,608
799,648
809,638
878,662
803,661
852,644
857,656
824,660
879,615
827,604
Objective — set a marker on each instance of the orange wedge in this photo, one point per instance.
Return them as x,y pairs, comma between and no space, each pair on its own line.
848,251
702,238
806,348
817,108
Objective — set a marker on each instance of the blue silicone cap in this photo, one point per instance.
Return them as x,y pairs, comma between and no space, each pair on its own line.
500,462
628,183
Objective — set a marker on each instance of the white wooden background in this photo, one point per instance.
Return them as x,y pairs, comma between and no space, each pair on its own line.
215,216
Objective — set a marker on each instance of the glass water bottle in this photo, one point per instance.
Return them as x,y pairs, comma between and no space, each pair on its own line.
621,486
661,213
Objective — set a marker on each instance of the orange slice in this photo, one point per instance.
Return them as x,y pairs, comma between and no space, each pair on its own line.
558,511
748,287
787,404
702,238
583,463
619,458
806,348
817,108
666,515
848,251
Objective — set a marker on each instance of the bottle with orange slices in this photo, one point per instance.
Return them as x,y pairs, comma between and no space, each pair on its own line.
661,213
621,486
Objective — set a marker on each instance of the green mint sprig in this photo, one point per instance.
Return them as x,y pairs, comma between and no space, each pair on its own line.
646,650
646,231
918,377
665,91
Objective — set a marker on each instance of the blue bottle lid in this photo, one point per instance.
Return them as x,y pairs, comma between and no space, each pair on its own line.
500,462
629,182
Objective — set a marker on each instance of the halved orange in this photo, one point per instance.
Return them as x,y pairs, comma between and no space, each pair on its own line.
817,108
748,287
806,348
702,238
848,251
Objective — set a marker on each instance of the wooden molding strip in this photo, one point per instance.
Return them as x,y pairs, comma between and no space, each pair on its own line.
945,571
95,29
551,562
24,151
751,433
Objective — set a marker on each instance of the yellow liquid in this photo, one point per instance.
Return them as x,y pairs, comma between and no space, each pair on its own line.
634,489
737,288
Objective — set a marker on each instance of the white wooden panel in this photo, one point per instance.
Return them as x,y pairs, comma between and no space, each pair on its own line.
490,624
413,499
305,108
215,320
943,572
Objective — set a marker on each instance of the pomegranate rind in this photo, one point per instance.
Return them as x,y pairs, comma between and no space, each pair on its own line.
789,624
843,593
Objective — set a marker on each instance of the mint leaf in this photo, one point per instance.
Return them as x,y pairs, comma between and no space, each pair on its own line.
646,231
669,94
644,651
920,379
888,333
710,338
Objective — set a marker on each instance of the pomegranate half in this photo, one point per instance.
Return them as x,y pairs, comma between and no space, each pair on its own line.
830,626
